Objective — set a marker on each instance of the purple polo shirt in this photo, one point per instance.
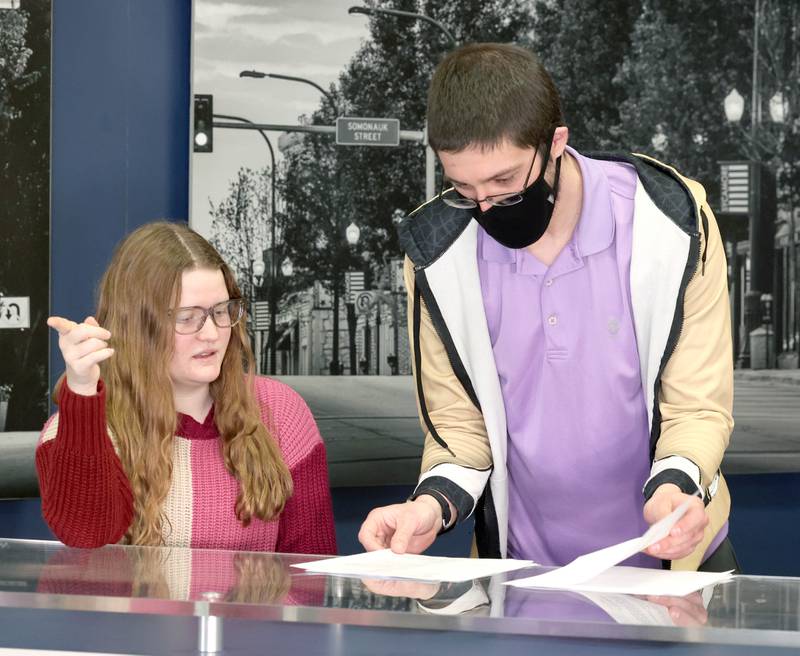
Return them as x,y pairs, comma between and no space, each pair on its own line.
565,349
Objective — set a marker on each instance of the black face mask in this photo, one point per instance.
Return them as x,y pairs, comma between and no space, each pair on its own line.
523,224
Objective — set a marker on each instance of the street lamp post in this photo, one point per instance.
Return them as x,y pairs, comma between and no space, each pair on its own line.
352,235
273,301
286,272
430,156
371,11
760,228
335,369
762,209
291,78
257,269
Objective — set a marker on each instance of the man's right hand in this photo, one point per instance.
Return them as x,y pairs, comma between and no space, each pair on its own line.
684,611
84,346
409,527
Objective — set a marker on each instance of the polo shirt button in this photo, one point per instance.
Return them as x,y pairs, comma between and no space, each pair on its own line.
548,282
552,319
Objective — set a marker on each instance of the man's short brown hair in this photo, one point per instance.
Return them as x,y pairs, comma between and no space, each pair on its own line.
484,93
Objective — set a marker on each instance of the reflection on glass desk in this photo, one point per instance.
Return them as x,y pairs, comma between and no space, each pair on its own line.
223,586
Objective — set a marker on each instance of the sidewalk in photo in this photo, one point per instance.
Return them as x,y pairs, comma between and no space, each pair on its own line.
777,376
766,411
373,434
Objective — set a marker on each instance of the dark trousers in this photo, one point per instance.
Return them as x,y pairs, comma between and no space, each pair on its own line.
722,559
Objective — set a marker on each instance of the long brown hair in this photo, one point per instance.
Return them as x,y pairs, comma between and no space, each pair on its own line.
140,286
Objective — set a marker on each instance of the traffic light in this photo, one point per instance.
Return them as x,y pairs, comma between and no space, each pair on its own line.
203,141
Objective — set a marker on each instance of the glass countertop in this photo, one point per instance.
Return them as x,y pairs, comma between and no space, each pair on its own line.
746,610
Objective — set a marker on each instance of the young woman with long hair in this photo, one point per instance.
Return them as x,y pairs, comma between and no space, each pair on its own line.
164,435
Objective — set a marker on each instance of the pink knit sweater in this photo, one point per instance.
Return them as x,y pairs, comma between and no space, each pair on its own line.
87,499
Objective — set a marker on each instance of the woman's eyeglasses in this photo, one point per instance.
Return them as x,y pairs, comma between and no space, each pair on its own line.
190,320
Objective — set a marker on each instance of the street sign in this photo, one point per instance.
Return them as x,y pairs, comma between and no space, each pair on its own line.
735,187
15,312
260,315
355,131
364,302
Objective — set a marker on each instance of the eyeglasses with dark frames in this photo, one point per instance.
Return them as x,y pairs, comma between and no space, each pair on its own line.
190,320
454,199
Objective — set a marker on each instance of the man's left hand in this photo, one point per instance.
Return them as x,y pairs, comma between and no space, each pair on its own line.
687,532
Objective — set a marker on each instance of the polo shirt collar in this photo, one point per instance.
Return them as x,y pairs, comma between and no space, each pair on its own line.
595,229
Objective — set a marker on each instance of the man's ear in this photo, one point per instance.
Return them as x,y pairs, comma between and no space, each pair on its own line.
560,137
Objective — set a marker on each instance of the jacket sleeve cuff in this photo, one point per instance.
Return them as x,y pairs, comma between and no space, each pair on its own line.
465,480
677,470
455,598
439,485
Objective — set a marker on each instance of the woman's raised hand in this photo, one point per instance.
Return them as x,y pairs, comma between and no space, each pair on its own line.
83,346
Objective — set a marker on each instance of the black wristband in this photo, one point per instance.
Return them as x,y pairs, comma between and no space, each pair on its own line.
677,477
460,499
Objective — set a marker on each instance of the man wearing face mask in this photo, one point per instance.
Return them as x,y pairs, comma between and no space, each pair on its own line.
570,334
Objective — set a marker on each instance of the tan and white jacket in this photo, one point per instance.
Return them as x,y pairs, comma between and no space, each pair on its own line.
679,297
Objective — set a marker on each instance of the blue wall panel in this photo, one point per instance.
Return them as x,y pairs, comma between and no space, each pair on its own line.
120,149
763,527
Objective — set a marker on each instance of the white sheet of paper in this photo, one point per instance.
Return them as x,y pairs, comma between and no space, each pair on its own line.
387,564
627,609
633,580
590,565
